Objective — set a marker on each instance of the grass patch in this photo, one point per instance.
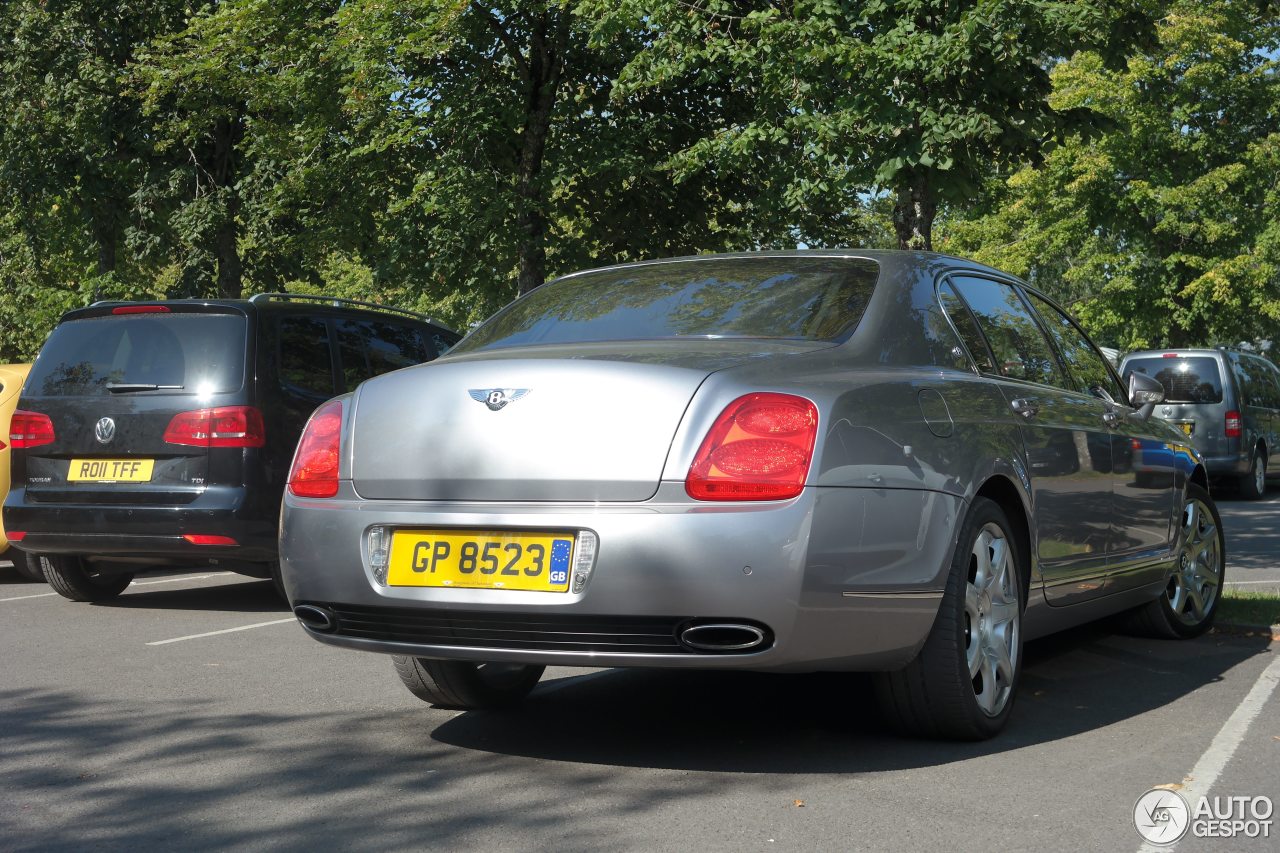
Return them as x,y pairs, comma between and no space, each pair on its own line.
1250,608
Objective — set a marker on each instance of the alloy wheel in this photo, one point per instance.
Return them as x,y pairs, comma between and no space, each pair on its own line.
992,619
1193,588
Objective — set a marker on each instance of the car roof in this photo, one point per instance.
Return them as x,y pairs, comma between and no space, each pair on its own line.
281,303
890,260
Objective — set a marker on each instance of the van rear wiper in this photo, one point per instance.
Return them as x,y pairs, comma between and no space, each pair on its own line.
126,387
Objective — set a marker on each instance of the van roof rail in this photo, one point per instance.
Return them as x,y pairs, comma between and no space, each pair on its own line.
340,302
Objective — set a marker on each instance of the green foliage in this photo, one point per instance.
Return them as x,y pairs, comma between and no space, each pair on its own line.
921,98
444,155
1163,232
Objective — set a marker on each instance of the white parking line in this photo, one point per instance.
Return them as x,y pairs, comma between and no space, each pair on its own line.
37,595
1201,778
183,578
223,631
1242,583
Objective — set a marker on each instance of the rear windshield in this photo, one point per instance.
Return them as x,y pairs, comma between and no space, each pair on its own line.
178,353
816,299
1193,379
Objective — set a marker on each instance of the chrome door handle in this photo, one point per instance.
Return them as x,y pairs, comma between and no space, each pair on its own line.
1026,407
1111,419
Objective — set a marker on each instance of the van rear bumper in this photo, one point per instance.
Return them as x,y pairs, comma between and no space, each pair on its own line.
1229,465
154,534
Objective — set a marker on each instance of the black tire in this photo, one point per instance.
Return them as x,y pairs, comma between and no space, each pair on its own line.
1159,618
71,578
27,565
464,685
935,695
1253,485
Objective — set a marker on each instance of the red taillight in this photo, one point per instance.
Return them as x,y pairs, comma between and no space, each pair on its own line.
15,535
141,309
759,449
30,429
225,426
315,466
1134,444
1170,355
208,539
1231,427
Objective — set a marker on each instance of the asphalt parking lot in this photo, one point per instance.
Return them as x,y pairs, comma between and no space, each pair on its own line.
193,713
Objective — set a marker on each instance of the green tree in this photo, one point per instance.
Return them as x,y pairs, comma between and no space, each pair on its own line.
1163,231
921,99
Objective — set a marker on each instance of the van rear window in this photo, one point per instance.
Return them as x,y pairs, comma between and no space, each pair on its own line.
1193,379
177,353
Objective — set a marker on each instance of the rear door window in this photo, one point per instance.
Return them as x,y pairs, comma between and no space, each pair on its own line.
1186,379
178,352
1020,347
371,348
967,327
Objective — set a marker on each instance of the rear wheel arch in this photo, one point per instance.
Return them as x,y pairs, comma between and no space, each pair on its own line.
1003,491
1200,477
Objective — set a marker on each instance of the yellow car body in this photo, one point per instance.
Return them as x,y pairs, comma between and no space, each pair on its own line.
11,378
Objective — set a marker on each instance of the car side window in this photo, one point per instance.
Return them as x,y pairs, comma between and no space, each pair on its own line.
1085,363
1273,382
1244,382
370,348
1020,348
967,327
1265,392
305,364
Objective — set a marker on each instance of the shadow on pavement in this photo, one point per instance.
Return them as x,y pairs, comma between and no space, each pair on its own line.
249,595
743,722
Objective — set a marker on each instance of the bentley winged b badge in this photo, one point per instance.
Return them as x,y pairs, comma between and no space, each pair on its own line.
496,398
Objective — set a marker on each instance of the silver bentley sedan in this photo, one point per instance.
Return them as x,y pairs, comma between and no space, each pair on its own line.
890,462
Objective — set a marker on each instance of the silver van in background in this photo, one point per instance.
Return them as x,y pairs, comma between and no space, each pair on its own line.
1226,401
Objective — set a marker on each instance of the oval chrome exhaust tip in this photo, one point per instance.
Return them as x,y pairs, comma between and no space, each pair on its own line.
316,618
722,637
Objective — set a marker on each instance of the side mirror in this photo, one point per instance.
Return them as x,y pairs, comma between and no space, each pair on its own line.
1144,393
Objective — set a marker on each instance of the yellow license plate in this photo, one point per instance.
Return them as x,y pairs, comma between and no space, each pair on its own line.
110,470
1188,428
481,559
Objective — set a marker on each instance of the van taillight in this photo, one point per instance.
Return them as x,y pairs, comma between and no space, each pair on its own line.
30,429
759,449
1231,427
315,466
224,426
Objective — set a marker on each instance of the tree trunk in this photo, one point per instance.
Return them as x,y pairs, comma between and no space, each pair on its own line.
543,69
913,213
227,134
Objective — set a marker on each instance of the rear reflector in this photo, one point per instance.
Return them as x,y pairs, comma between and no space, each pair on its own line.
1231,426
15,535
208,539
30,429
759,449
224,426
315,466
141,309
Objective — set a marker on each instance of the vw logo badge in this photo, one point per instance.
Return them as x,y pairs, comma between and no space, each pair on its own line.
496,398
104,430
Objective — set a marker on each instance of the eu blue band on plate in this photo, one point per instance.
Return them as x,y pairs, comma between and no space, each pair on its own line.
560,551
